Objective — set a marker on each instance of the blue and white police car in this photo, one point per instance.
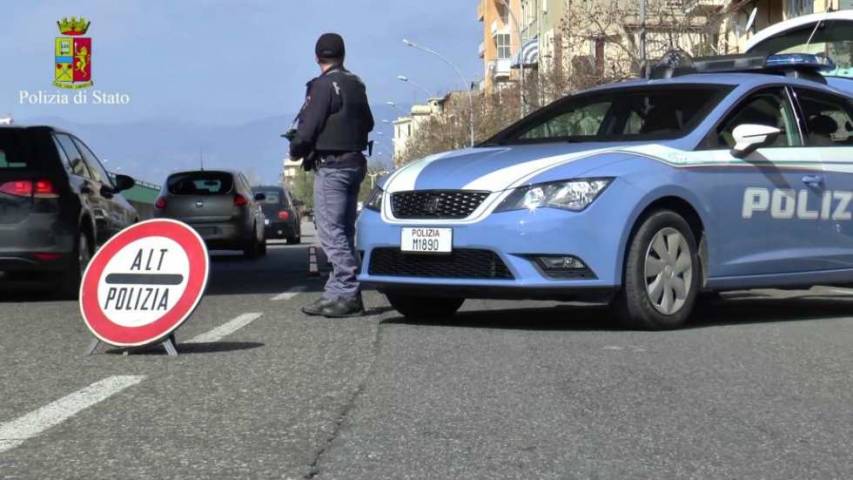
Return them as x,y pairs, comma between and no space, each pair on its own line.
717,174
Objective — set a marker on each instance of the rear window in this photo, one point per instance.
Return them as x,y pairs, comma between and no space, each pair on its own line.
10,148
200,183
273,197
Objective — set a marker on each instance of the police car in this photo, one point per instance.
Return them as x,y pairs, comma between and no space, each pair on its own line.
714,174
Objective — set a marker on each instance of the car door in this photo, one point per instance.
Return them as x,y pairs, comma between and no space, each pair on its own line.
118,210
88,187
828,121
767,205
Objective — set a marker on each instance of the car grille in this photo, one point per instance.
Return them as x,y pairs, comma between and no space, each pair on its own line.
462,263
436,203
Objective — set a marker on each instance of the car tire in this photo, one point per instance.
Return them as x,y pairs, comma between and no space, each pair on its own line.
69,283
424,307
662,274
252,248
294,239
262,248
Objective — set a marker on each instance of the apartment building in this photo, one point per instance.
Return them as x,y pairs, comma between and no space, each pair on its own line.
500,19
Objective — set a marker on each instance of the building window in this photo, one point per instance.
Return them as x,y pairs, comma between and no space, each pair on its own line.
795,8
503,12
502,41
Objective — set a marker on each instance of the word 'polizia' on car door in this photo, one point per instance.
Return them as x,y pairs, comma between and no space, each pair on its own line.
713,174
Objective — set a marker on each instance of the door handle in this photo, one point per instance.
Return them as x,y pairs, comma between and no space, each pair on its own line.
813,180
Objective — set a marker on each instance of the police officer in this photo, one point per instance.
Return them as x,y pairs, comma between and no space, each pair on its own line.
331,137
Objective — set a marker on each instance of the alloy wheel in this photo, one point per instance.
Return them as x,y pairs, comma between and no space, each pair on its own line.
668,271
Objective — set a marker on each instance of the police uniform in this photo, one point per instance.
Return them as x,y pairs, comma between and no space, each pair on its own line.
332,133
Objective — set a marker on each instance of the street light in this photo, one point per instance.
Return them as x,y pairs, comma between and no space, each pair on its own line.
395,107
406,79
461,77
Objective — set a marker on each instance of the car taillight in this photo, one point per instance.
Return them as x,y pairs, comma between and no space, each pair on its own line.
160,203
240,201
44,189
30,188
283,215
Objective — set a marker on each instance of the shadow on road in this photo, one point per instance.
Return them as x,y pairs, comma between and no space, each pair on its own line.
192,348
738,308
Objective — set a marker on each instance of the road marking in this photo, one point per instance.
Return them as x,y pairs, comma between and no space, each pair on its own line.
225,329
16,432
313,271
289,294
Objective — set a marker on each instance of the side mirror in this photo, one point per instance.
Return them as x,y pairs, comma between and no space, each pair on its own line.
124,182
260,197
749,137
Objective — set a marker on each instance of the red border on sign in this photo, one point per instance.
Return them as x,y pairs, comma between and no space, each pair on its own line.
121,336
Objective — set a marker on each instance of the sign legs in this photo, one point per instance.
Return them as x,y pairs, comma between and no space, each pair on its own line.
169,343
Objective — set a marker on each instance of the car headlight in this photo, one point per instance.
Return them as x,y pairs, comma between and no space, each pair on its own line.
374,200
574,195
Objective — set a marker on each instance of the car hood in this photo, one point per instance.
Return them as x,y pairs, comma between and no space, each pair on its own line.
499,168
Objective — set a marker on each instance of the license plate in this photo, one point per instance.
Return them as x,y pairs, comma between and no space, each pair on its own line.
427,240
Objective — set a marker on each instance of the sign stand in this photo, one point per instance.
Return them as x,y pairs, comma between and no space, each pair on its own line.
170,344
142,284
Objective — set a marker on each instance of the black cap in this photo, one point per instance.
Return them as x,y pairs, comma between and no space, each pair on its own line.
330,45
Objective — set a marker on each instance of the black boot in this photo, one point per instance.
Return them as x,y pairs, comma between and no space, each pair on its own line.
315,309
344,308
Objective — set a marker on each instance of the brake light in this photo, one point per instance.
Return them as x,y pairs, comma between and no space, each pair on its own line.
160,203
44,189
28,188
283,215
47,256
240,201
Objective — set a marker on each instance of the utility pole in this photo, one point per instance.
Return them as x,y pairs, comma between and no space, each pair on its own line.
643,34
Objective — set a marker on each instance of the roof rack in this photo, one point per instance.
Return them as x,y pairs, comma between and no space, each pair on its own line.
799,65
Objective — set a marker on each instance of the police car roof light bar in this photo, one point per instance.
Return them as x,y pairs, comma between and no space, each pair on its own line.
800,64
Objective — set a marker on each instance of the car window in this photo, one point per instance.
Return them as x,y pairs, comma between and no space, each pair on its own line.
75,158
827,118
626,114
10,147
99,173
582,122
767,107
200,183
61,152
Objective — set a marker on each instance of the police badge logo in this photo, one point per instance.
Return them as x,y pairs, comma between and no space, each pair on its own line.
73,54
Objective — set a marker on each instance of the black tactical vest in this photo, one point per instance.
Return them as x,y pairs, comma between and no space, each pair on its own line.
346,130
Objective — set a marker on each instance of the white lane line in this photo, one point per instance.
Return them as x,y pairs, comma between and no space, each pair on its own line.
225,329
16,432
288,294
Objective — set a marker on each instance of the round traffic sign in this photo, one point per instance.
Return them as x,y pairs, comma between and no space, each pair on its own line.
144,283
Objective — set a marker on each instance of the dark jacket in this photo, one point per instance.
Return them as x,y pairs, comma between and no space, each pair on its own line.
336,118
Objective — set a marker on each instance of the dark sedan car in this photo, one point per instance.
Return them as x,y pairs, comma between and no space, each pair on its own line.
219,205
282,214
57,205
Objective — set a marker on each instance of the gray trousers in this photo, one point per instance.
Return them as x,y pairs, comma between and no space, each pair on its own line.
335,211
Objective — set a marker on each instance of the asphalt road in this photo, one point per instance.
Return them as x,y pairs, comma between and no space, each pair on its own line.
760,386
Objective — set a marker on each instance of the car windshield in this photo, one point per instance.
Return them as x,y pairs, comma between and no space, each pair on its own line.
627,114
9,151
200,183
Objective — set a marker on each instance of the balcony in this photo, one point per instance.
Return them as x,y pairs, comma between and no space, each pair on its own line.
500,68
703,7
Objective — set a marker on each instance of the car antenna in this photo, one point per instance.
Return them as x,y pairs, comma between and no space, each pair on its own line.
816,27
201,157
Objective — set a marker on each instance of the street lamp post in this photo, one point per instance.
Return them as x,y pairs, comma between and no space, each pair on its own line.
406,79
461,77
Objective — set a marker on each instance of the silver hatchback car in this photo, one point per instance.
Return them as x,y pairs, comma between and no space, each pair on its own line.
219,205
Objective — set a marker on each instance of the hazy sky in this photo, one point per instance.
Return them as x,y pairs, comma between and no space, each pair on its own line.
224,61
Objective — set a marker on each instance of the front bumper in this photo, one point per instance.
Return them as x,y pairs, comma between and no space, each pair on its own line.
595,236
